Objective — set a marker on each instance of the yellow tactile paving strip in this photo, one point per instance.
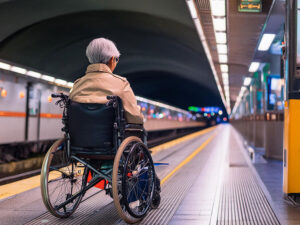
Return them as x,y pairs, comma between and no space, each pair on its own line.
189,158
179,140
20,186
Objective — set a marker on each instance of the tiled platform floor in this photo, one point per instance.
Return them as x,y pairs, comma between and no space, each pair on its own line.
227,191
271,173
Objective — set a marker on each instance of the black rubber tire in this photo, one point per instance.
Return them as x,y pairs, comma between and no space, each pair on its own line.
138,149
116,183
155,200
46,182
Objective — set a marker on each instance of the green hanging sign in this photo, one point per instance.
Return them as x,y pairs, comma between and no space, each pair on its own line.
249,6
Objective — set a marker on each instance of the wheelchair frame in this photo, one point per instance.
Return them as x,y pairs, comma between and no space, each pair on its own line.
119,130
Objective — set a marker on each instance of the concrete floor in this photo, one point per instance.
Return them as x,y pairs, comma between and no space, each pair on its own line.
216,184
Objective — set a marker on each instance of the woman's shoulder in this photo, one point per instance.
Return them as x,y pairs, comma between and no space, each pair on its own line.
119,77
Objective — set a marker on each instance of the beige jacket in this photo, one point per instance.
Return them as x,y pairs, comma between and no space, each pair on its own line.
99,82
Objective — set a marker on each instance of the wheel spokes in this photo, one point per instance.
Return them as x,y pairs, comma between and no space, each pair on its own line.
138,185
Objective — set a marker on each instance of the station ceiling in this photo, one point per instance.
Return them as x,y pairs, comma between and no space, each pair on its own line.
244,30
161,54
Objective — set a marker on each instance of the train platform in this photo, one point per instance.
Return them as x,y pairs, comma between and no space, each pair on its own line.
207,178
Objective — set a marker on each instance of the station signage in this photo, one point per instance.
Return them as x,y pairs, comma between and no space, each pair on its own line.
249,6
204,109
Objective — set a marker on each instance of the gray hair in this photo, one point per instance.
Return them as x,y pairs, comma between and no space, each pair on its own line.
100,50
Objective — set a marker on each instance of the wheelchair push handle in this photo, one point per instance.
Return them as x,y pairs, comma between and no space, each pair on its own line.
59,95
112,97
62,102
112,101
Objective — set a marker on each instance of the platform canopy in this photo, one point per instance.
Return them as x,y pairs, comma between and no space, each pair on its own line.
161,53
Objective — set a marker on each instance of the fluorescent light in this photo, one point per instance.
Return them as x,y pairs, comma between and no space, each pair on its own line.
221,38
60,82
48,78
203,39
254,67
70,84
225,78
223,58
18,69
247,81
266,42
225,75
243,89
4,66
224,68
217,7
34,74
222,49
225,81
219,24
192,9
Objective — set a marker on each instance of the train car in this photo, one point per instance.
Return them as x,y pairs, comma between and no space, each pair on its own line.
291,144
33,117
157,110
33,121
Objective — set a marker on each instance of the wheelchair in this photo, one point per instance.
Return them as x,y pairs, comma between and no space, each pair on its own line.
99,149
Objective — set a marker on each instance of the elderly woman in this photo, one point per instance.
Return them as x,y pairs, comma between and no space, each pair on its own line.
99,80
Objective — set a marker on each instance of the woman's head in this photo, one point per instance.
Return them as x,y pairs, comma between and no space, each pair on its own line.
102,50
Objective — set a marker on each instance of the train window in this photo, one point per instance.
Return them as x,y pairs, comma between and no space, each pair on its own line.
34,101
274,93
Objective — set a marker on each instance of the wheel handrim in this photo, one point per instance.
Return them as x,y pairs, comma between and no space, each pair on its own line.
60,180
138,181
116,179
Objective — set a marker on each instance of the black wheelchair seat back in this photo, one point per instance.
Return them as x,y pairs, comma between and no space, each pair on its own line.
91,128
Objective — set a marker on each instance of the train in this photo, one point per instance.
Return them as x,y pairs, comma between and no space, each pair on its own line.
29,119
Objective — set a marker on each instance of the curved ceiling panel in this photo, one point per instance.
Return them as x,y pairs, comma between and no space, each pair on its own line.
172,89
158,53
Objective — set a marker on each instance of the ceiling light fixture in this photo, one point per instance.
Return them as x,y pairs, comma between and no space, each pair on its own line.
218,7
225,75
222,49
219,24
34,74
70,84
192,9
223,58
266,42
60,82
194,14
247,81
18,69
221,37
48,78
224,68
226,81
254,67
5,66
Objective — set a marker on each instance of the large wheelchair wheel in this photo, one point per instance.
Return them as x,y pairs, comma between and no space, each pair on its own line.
133,180
61,178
